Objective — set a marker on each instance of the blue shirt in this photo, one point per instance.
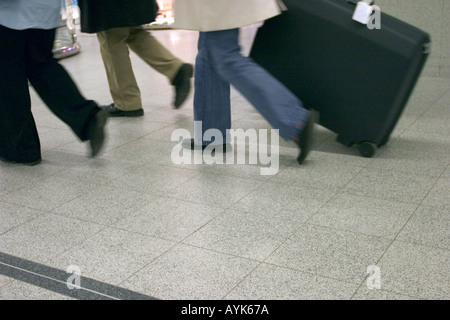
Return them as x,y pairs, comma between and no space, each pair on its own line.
30,14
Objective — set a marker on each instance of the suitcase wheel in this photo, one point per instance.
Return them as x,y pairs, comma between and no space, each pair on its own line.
367,149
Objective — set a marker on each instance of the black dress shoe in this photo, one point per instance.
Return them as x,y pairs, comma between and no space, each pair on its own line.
305,138
25,162
113,111
190,144
96,132
182,83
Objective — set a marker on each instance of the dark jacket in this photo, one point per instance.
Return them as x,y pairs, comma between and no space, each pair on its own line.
101,15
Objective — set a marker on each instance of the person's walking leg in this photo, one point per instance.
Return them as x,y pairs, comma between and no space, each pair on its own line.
211,96
119,71
19,140
276,103
59,92
149,49
279,106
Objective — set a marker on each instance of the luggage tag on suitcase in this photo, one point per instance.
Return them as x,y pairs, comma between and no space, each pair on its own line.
363,11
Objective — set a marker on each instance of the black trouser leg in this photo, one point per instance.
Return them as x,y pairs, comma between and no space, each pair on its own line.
19,140
55,86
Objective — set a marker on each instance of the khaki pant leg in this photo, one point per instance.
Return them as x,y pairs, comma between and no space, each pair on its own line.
149,49
119,71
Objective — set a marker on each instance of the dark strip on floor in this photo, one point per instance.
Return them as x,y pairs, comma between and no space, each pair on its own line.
70,284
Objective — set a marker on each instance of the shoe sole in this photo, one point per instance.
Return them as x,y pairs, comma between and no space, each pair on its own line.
137,113
25,163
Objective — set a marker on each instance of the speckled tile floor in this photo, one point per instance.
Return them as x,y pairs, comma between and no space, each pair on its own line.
135,222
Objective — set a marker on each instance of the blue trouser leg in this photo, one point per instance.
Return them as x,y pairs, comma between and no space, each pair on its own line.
211,95
279,106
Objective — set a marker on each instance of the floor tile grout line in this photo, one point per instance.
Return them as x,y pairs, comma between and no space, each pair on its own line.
181,242
310,217
25,222
344,190
123,282
404,225
22,224
327,277
390,244
393,240
167,239
217,175
59,205
106,184
441,97
241,281
113,228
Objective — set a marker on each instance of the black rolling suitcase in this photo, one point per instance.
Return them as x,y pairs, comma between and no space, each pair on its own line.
359,79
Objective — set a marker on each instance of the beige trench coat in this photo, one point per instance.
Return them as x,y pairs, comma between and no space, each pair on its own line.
214,15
